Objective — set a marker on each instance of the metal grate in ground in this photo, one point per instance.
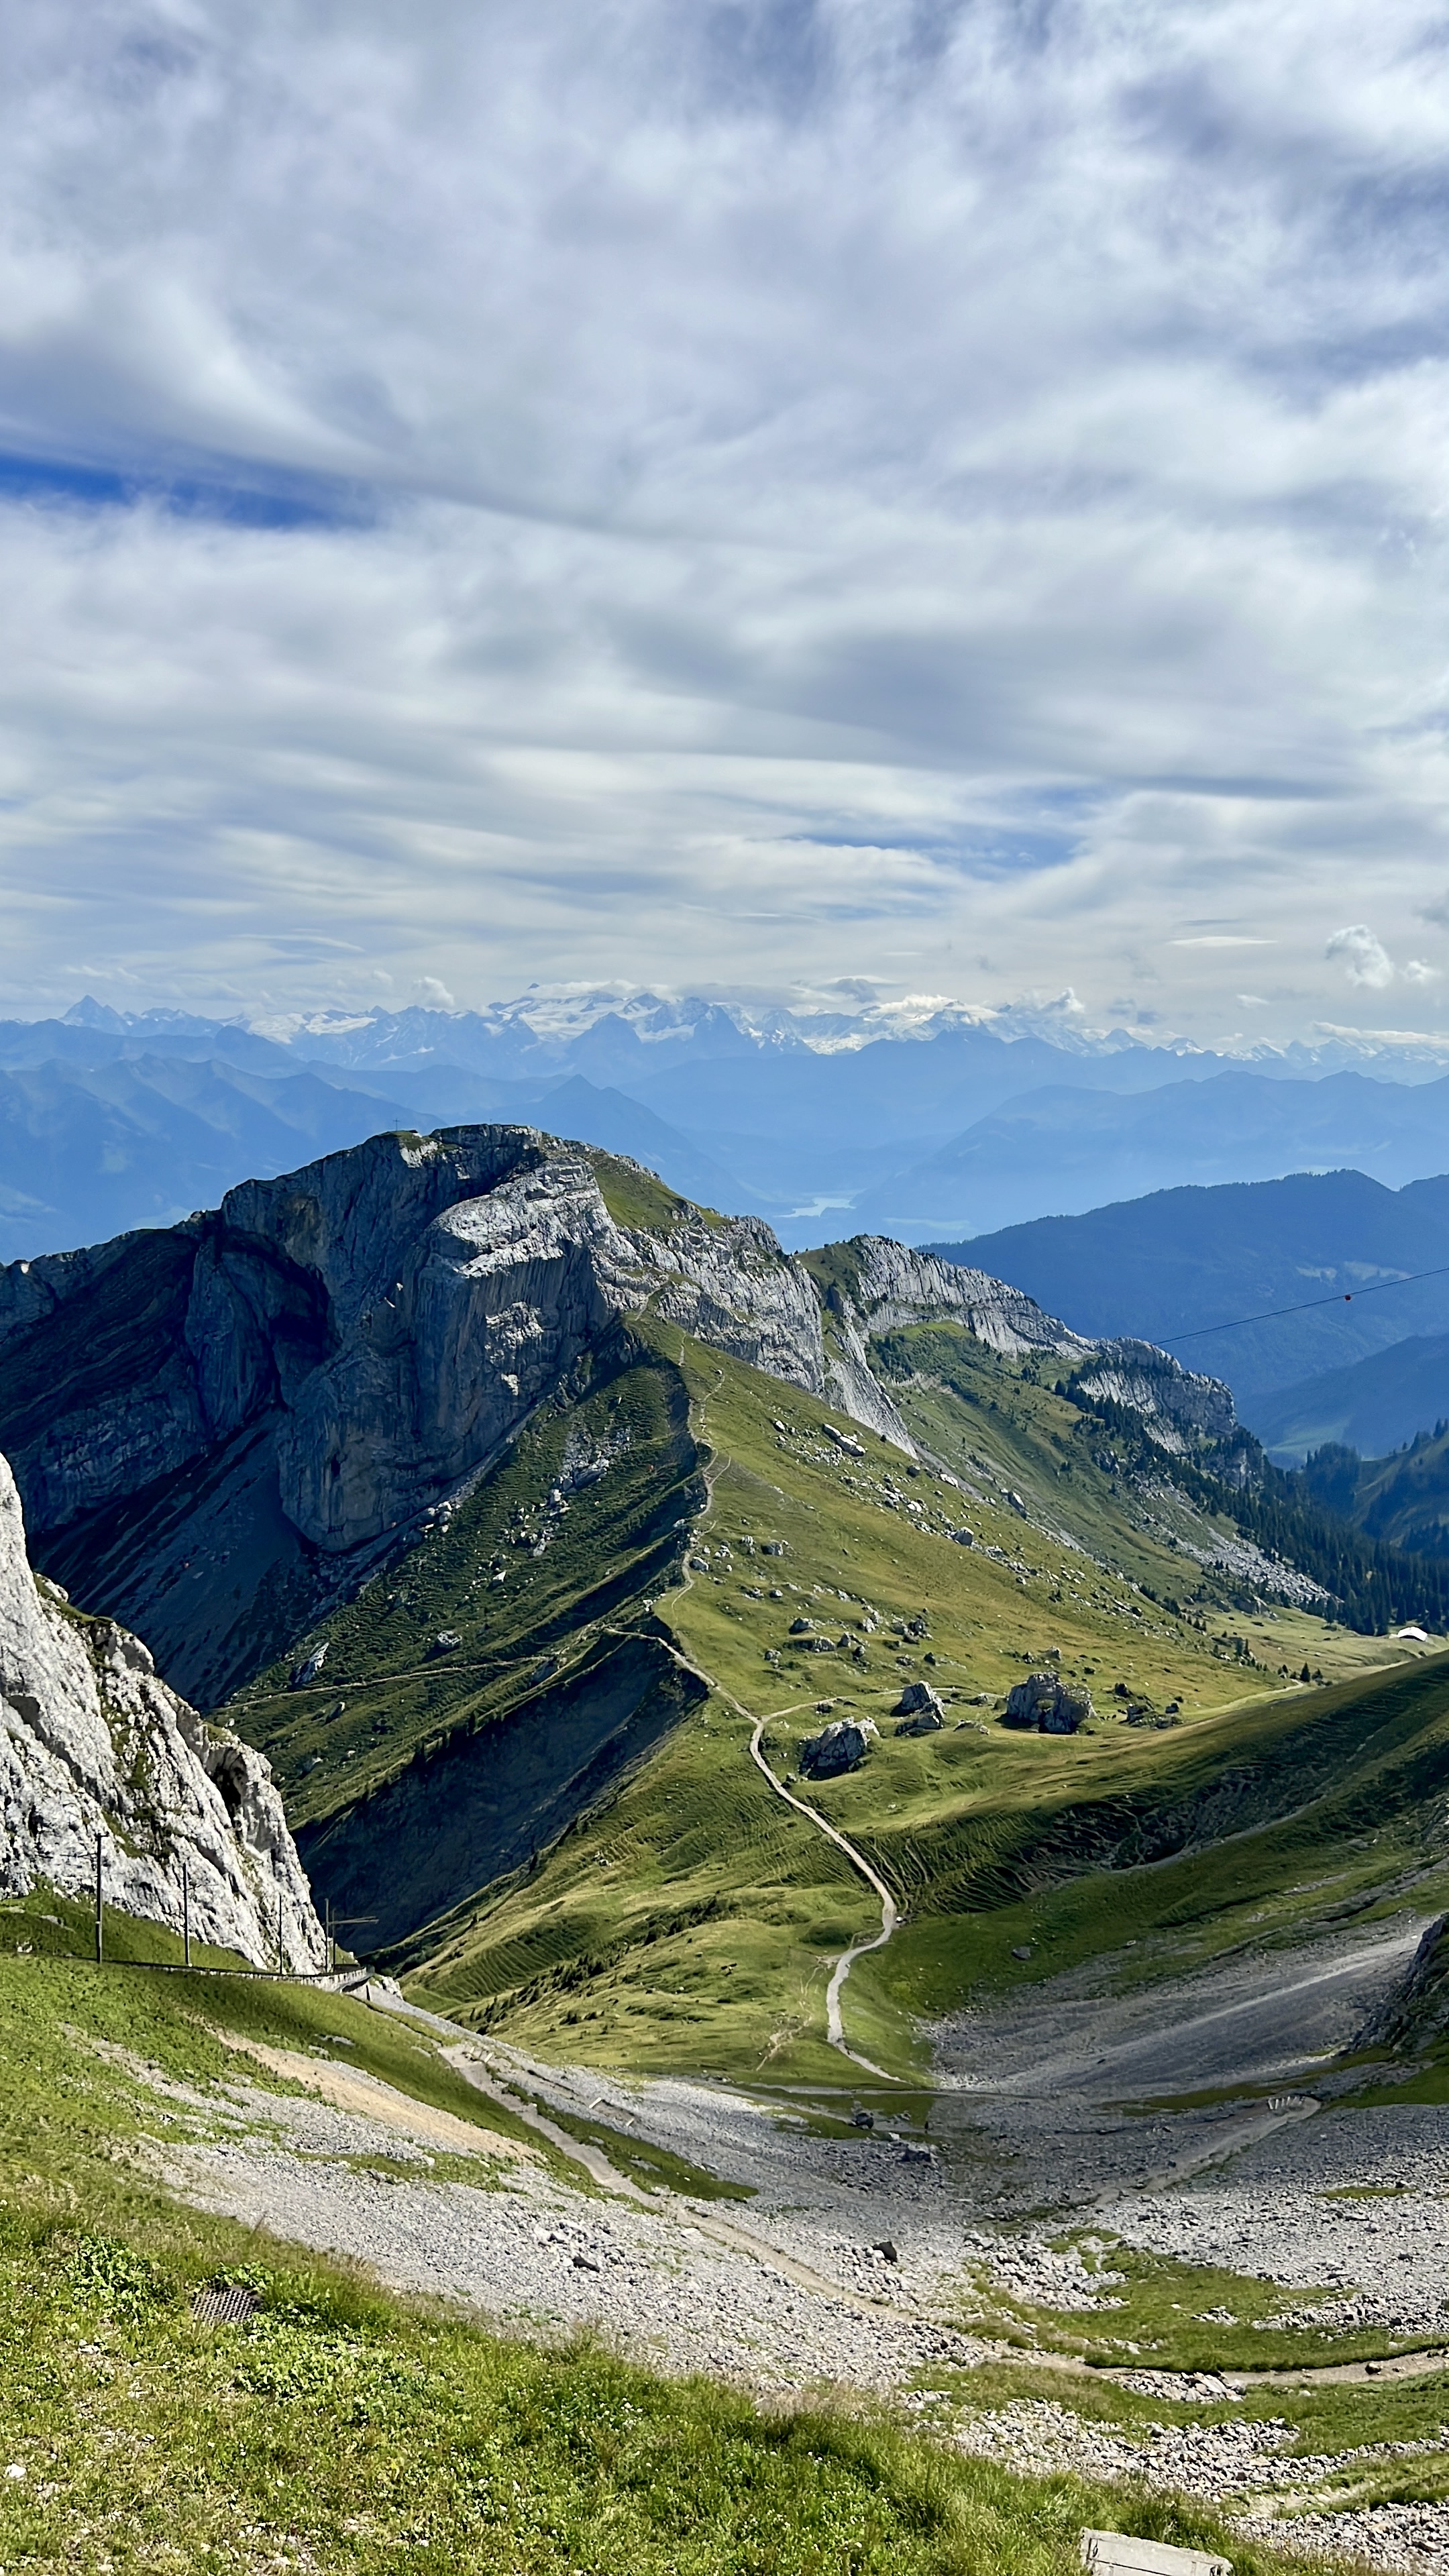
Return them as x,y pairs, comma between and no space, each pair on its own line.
224,2303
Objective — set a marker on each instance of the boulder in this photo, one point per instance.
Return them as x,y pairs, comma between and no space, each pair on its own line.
1044,1703
915,1697
920,1711
841,1746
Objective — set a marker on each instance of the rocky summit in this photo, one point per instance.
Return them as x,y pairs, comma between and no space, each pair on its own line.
101,1766
218,1426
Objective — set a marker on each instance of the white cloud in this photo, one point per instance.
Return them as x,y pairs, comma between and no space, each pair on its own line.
786,491
1418,971
1366,961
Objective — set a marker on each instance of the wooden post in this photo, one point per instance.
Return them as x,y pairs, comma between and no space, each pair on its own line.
281,1953
100,1915
186,1913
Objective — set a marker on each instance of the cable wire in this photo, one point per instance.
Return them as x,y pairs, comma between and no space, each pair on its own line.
1345,1297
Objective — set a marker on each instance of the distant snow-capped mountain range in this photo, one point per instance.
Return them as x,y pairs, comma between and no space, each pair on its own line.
927,1120
557,1019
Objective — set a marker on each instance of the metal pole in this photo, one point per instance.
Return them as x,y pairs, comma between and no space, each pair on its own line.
100,1916
186,1913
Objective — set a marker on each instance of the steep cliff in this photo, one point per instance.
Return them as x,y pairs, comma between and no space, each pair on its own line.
871,1286
95,1750
221,1428
1179,1410
218,1426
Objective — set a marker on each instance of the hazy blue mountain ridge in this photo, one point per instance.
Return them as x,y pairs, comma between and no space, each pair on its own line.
1380,1404
1177,1260
824,1121
1071,1148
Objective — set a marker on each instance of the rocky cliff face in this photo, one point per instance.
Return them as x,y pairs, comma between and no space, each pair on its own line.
213,1423
871,1285
895,1287
218,1427
95,1749
1179,1410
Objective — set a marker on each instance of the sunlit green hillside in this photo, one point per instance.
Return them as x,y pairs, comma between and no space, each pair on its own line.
690,1918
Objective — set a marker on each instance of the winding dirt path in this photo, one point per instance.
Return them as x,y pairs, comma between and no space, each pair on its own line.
889,1917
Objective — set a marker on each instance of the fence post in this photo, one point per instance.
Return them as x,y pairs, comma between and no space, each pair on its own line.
186,1913
100,1916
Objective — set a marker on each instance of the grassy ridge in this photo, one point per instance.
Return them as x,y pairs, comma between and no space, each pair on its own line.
692,1920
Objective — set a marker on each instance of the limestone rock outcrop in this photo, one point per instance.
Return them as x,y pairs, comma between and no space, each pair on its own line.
95,1749
920,1710
879,1286
1045,1703
1179,1410
840,1746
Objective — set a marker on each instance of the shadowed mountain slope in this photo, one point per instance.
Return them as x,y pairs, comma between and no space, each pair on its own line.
1378,1404
1181,1260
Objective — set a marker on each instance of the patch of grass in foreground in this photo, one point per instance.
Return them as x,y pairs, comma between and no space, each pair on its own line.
334,2428
1184,2316
1327,2421
338,2426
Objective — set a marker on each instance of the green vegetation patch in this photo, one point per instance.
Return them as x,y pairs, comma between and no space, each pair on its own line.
1161,2313
656,2168
334,2427
640,1200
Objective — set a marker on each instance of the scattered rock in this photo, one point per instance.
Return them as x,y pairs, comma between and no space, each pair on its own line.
918,1699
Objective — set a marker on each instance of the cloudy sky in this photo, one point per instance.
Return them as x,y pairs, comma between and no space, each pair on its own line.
738,495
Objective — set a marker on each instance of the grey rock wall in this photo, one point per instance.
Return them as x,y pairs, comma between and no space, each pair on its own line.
93,1746
213,1424
1180,1410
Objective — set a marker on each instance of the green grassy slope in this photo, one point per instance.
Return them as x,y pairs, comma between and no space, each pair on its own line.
692,1919
339,2429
